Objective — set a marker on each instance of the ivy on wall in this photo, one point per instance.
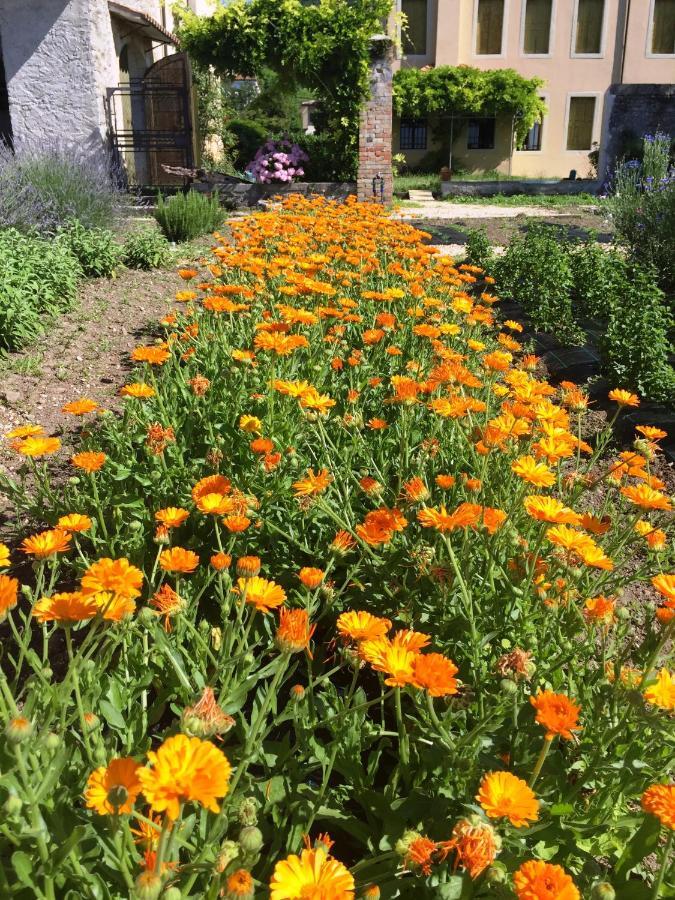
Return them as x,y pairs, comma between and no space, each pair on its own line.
324,46
462,90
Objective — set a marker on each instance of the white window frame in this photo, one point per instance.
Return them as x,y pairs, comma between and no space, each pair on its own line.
603,35
596,114
420,58
544,132
650,34
505,34
551,34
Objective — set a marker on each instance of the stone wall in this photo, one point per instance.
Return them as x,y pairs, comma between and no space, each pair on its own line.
510,188
375,126
634,110
247,195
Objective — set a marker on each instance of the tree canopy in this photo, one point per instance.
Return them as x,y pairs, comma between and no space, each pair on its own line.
464,90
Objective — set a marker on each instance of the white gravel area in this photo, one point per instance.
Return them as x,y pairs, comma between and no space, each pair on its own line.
442,210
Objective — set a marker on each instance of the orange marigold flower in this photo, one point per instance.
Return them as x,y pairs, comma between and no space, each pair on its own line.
248,566
236,524
89,461
113,607
550,509
665,585
416,489
206,719
65,608
75,523
311,577
239,885
313,874
262,445
294,631
9,588
221,561
343,542
395,661
503,795
37,446
312,483
421,854
263,594
594,524
377,424
168,603
24,431
538,880
646,497
185,770
212,484
80,407
467,515
662,692
47,543
599,609
659,800
624,398
112,790
186,274
361,626
652,433
535,473
435,673
155,355
445,482
116,576
177,559
475,843
138,390
172,516
557,713
493,519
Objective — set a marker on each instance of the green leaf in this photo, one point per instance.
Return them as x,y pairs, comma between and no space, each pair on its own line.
451,890
644,842
110,714
23,866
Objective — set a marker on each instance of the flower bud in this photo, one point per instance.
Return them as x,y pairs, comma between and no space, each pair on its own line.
248,811
372,892
146,616
297,692
148,886
52,741
216,638
250,839
91,721
48,673
507,686
229,851
496,874
18,729
172,893
603,891
403,843
12,806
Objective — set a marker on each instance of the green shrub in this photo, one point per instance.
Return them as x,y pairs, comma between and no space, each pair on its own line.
250,135
479,249
38,279
186,216
535,271
598,276
95,248
146,249
329,160
635,346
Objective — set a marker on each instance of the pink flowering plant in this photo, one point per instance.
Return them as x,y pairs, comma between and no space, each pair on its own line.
278,161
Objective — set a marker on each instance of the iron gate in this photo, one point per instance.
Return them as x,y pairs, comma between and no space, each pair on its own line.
150,122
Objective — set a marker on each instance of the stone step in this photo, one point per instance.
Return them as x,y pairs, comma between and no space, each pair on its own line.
420,196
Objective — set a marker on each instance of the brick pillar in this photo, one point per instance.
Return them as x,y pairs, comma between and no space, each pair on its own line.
375,125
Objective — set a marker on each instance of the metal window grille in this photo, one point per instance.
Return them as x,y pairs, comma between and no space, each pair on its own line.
413,135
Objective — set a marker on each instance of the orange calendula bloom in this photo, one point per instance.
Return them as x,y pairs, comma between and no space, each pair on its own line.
313,875
535,473
221,561
138,390
37,446
646,497
538,880
116,576
185,770
445,482
177,559
80,407
436,674
9,588
206,718
421,854
75,523
312,483
311,577
557,713
395,661
172,516
239,885
65,608
248,566
624,398
600,610
47,543
168,604
155,355
263,594
89,461
113,607
467,515
24,431
112,790
361,626
662,693
659,800
550,509
294,632
236,524
475,844
503,795
415,490
250,424
665,585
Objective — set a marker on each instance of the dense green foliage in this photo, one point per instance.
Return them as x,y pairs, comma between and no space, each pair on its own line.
643,208
463,90
249,135
38,278
95,248
324,47
146,249
186,216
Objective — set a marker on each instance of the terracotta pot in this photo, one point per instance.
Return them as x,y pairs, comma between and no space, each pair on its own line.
445,173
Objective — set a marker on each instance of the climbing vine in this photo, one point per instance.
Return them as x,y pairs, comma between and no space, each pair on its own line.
324,46
463,90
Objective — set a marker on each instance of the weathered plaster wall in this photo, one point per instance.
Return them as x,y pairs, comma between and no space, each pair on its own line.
49,60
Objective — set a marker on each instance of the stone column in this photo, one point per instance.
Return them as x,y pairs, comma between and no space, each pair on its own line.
375,124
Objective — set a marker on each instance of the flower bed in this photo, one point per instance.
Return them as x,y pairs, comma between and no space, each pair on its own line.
343,567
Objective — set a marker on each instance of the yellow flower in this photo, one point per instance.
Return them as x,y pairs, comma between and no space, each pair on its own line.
314,875
502,794
261,593
185,770
662,694
112,789
250,424
4,556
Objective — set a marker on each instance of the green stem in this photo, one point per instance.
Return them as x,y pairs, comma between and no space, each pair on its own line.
404,747
658,881
543,753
